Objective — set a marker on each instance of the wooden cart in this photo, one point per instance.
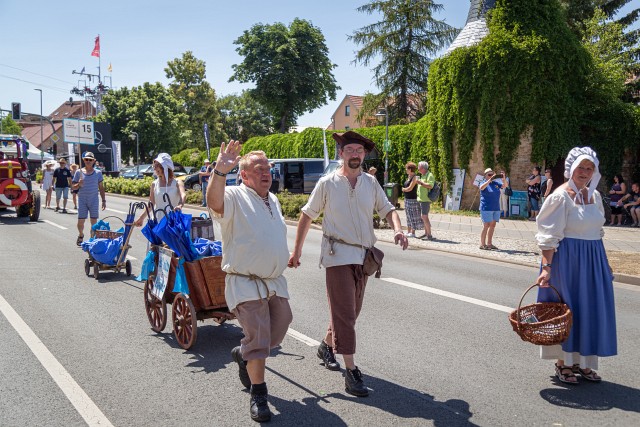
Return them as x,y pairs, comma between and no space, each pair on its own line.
205,300
121,261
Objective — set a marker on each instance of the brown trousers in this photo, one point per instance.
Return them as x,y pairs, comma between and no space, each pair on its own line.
264,324
345,291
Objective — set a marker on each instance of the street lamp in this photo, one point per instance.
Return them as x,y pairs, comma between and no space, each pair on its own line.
41,135
135,134
380,113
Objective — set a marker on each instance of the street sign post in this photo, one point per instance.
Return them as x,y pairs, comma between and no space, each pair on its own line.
78,131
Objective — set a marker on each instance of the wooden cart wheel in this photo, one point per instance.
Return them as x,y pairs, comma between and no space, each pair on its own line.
156,308
96,271
185,328
127,268
87,267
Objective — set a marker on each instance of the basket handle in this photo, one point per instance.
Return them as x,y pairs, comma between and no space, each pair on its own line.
526,292
119,219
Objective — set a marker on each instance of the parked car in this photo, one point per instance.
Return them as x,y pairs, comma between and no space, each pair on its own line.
137,172
178,170
192,182
298,175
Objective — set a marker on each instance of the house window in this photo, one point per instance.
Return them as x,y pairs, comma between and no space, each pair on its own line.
347,110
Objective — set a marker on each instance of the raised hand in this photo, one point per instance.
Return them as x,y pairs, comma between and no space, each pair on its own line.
229,156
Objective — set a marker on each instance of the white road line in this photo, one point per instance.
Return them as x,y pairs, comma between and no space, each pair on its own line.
54,224
303,338
449,294
92,415
131,258
116,211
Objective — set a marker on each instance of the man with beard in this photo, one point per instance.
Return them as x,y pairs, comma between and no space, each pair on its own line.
348,198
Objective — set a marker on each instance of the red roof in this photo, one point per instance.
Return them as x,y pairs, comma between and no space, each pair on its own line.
31,132
73,109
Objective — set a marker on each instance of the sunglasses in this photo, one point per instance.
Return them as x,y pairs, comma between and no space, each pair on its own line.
89,160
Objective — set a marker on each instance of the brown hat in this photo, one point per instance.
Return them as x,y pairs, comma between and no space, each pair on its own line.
351,137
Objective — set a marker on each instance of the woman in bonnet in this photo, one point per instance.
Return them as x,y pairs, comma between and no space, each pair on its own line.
164,184
575,263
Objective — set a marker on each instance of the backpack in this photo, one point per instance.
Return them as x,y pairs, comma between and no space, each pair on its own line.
434,193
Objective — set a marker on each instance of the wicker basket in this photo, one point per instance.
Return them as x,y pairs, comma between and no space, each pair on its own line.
543,323
107,234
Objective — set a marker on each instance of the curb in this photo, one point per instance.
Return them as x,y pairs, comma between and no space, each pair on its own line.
627,279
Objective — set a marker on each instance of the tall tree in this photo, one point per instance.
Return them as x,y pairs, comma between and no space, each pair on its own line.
9,126
290,67
153,112
197,96
405,40
243,117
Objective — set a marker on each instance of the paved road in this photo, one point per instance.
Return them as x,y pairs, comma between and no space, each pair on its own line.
434,345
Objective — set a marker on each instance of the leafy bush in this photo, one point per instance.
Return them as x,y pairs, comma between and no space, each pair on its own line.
292,204
132,187
194,197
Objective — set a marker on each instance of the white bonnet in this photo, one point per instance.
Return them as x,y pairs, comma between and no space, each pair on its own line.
574,158
165,160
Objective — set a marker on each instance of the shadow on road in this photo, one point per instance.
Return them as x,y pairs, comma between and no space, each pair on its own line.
594,397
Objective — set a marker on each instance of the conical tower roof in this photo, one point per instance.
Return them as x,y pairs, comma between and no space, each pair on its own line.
476,27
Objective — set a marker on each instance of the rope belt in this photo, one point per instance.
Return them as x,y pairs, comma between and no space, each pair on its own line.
257,280
333,240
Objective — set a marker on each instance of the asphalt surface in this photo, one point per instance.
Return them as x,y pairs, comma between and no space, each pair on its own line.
430,355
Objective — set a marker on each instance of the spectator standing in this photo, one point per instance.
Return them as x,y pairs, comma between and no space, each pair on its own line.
574,261
88,182
617,192
74,168
546,187
490,207
504,199
205,172
47,182
411,206
275,178
633,206
425,184
348,198
254,237
533,191
62,181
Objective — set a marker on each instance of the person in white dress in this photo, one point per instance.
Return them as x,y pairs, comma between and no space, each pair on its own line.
47,182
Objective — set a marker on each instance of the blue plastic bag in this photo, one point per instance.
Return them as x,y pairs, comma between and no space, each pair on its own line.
180,283
104,251
147,267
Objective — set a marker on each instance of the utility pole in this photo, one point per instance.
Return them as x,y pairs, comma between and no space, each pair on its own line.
41,134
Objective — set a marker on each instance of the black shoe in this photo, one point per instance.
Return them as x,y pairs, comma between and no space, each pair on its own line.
325,353
258,404
242,367
57,209
353,383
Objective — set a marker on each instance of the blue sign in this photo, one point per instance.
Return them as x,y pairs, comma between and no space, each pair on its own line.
518,204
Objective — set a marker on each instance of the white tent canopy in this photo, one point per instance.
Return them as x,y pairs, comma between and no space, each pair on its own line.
34,152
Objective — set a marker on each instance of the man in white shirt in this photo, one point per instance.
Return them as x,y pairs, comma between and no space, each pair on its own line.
254,256
348,198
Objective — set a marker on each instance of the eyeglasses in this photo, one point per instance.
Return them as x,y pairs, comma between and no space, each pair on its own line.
89,160
354,150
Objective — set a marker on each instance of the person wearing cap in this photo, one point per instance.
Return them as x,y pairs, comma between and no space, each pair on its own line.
205,171
490,206
165,183
62,182
88,182
574,262
348,197
47,182
254,238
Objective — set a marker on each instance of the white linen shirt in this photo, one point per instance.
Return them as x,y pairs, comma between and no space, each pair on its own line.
348,215
561,217
254,242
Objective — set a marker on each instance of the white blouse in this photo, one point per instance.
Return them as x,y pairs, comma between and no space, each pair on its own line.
561,217
158,191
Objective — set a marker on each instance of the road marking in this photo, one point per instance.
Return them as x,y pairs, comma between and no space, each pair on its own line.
303,338
449,294
116,211
54,224
92,415
131,258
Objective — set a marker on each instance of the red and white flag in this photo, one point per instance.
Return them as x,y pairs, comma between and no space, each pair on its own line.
96,48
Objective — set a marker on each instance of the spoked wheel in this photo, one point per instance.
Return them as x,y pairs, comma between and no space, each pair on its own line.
96,270
185,328
156,308
127,268
87,267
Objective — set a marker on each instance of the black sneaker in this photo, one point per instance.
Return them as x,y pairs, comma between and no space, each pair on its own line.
353,383
325,353
57,209
64,211
242,367
259,406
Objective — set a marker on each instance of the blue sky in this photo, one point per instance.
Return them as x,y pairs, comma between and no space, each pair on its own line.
44,42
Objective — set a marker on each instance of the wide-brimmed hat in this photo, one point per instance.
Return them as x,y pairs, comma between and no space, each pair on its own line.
351,137
88,155
207,161
487,170
50,163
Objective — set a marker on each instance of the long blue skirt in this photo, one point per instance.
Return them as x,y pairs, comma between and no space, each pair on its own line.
581,274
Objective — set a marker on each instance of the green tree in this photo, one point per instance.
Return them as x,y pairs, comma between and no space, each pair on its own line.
9,126
405,40
153,112
197,96
290,68
243,117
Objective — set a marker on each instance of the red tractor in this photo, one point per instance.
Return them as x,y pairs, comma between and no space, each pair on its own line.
15,182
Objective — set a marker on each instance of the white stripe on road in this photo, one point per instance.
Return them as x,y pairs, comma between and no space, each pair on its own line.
92,415
116,211
449,294
54,224
303,338
131,258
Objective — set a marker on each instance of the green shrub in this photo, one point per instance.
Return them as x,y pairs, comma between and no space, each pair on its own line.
132,187
194,197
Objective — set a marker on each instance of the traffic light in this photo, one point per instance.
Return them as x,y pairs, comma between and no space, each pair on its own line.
50,150
16,111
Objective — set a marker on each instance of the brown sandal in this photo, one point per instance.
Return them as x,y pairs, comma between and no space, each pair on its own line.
589,376
79,239
563,373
